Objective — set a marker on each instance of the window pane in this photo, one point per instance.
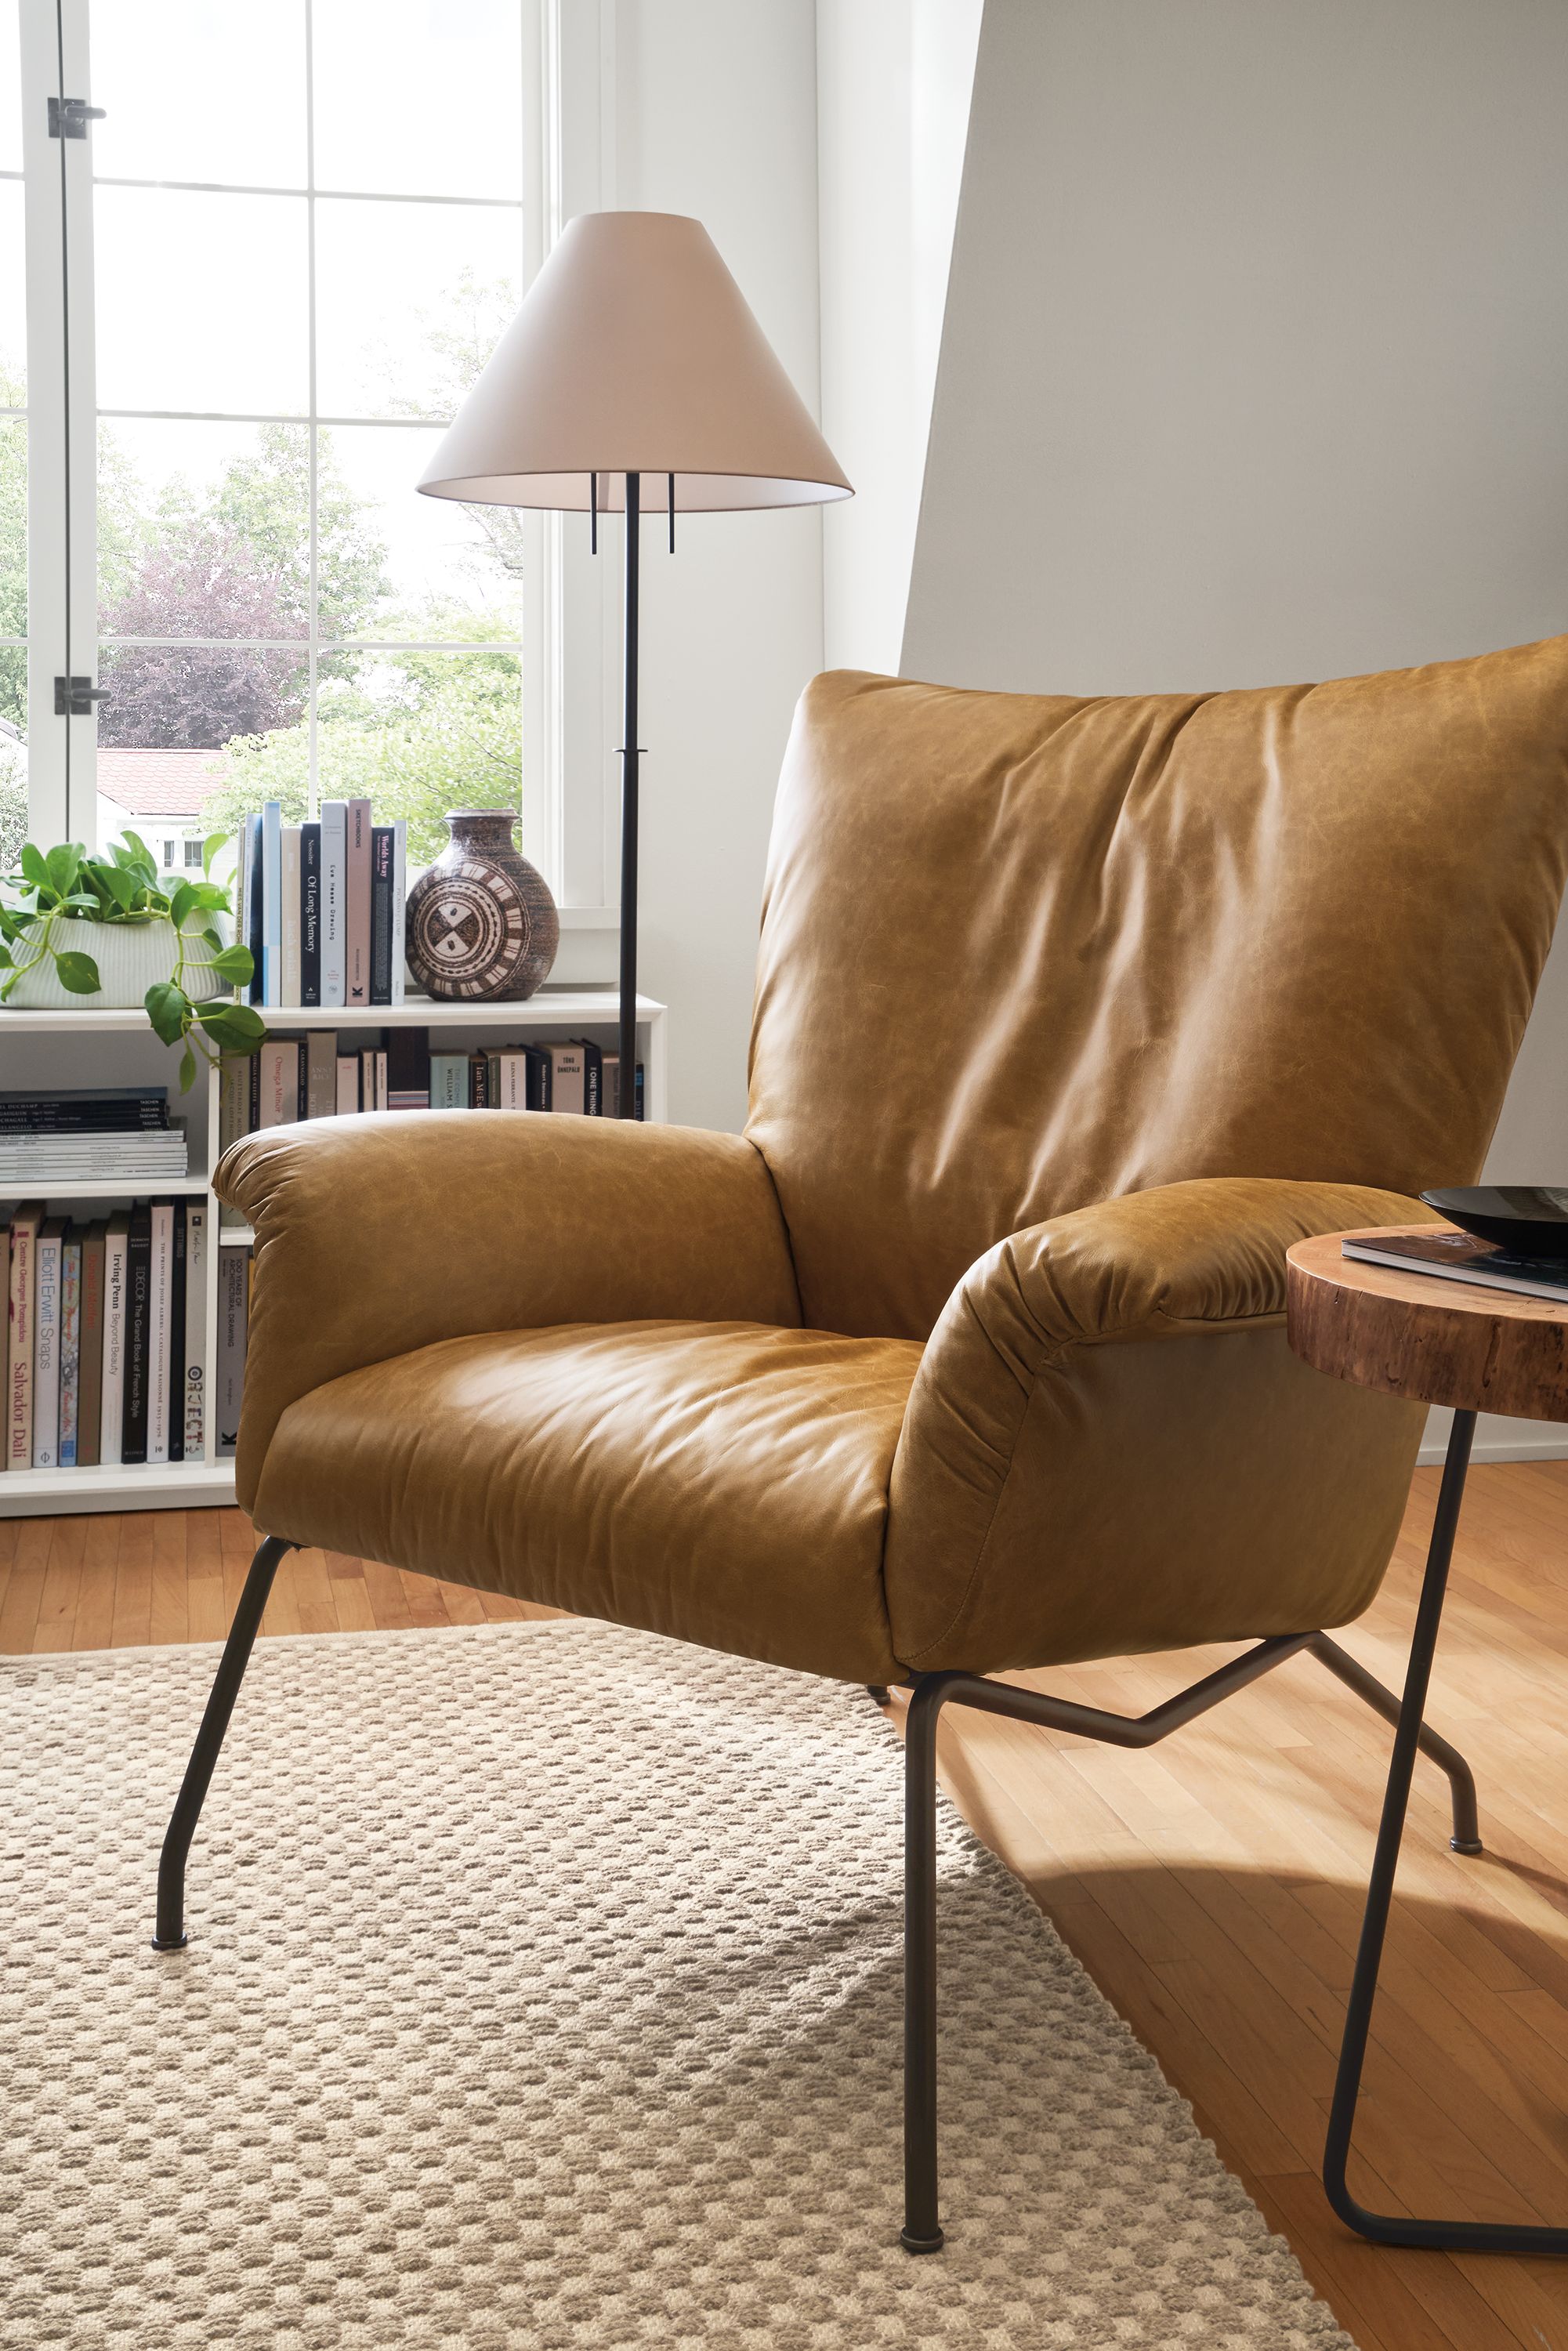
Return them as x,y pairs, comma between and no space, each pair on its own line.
201,301
420,97
196,91
419,734
411,301
10,87
204,530
449,571
13,297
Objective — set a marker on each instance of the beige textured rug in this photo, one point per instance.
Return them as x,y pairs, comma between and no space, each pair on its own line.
543,1991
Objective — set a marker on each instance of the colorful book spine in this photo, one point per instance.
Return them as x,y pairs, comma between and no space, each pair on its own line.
400,910
567,1079
21,1304
449,1081
358,940
160,1330
90,1409
46,1349
310,913
277,1068
381,913
320,1073
289,915
179,1276
70,1348
272,902
196,1338
234,1314
334,902
252,916
116,1325
138,1332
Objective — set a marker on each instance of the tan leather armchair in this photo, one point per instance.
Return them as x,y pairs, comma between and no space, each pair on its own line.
1071,1016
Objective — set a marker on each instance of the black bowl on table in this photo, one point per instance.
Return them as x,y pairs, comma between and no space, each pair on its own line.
1525,1219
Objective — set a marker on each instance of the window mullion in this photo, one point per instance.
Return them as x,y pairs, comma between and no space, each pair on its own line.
46,566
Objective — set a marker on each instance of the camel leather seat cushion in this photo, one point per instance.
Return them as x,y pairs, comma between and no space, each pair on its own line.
1071,1017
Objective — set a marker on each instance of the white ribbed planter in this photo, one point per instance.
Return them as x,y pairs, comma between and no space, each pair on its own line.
130,958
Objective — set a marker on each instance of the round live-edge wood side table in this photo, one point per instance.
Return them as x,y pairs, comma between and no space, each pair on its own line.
1477,1350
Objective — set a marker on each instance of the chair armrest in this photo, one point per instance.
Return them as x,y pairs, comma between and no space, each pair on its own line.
375,1237
1071,1390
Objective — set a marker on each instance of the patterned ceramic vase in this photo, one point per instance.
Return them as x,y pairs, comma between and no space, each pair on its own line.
481,922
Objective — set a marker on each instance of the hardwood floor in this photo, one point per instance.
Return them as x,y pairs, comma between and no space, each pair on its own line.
1212,1885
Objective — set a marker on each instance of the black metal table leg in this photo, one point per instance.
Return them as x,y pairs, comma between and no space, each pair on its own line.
1383,2227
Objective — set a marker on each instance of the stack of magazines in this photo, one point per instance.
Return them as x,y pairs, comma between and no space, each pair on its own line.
108,1136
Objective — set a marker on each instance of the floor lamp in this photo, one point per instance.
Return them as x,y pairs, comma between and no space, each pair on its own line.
633,379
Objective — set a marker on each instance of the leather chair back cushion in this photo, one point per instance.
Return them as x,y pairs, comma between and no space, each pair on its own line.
1021,954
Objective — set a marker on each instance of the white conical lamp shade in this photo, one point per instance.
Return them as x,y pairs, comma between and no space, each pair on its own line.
634,351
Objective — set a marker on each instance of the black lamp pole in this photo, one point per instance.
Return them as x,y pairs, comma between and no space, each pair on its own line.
629,754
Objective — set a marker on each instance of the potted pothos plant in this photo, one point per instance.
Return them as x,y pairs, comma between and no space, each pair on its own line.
81,929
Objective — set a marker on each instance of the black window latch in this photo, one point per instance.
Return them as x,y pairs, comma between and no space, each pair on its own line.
68,117
74,696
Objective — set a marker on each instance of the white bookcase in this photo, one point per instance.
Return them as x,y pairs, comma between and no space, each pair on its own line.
40,1050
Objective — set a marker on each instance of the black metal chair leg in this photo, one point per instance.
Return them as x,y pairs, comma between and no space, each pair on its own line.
1383,2227
922,2231
1467,1835
171,1928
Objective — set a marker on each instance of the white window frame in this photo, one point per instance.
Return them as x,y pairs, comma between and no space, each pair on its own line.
569,648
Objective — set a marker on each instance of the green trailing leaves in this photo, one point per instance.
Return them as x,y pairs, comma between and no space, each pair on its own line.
76,971
167,1006
66,893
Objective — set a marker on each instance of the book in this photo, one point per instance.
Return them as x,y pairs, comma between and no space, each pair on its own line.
357,903
234,1102
612,1087
567,1077
288,891
138,1332
400,909
196,1342
380,1077
347,1083
20,1303
159,1304
47,1347
449,1081
478,1079
408,1069
1460,1257
116,1306
381,913
277,1071
310,913
91,1401
272,902
508,1079
92,1109
592,1077
320,1073
254,914
70,1345
233,1315
176,1351
334,902
541,1077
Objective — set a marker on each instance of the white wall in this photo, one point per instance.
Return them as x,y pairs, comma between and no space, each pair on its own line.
893,94
1254,368
713,112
